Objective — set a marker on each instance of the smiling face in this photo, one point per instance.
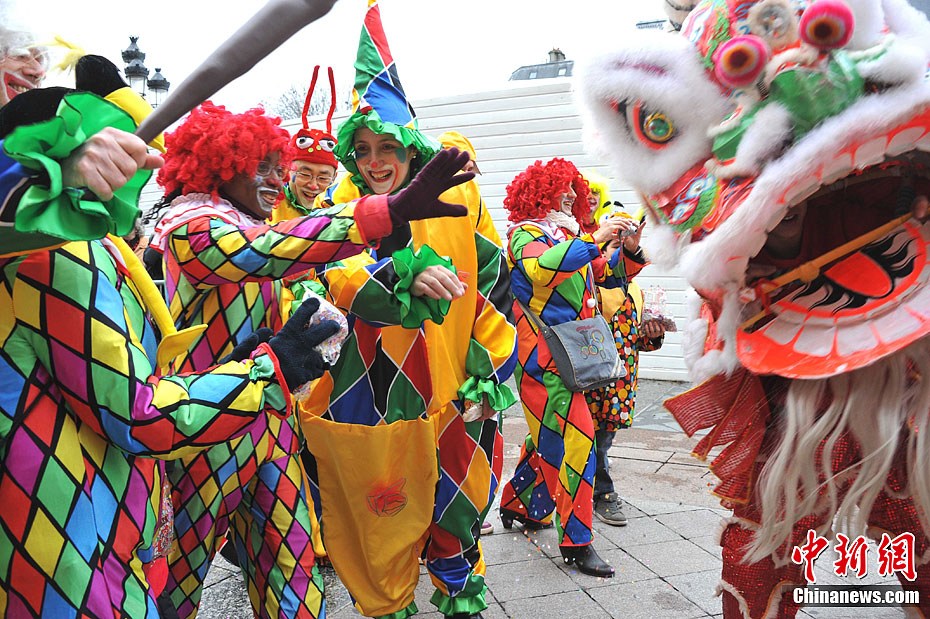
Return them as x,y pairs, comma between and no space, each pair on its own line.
565,200
308,180
594,200
21,70
256,194
383,162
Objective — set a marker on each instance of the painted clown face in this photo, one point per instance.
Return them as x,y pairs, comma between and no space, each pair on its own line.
382,161
256,194
21,70
767,138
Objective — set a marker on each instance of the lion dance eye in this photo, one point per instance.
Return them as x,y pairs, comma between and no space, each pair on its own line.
654,129
658,128
827,24
740,61
303,142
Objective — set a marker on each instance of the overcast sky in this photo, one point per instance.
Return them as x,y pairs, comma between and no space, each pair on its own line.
440,47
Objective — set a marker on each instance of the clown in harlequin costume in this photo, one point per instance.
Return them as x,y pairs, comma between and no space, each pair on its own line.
554,267
85,418
222,269
412,365
781,147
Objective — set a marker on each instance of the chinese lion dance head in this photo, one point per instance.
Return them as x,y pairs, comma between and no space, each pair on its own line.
779,146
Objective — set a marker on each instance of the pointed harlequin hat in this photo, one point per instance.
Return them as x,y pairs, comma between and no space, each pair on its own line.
315,145
378,100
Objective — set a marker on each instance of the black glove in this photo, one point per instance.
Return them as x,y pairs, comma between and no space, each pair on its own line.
295,342
420,199
243,349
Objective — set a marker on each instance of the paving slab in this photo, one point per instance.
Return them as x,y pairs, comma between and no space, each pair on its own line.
710,543
642,531
509,547
655,508
574,604
219,573
649,599
699,588
226,598
637,453
691,524
674,558
631,474
686,459
531,579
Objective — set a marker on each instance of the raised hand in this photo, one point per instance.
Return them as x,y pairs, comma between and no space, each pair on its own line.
420,199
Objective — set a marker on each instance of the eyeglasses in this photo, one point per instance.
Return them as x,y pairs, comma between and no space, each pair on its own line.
306,176
265,169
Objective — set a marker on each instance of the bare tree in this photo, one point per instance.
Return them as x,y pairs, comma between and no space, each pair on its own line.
290,104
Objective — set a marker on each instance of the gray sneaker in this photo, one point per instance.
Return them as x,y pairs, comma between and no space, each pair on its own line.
607,509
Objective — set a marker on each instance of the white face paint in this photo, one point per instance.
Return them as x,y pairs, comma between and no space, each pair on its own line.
257,194
21,70
382,161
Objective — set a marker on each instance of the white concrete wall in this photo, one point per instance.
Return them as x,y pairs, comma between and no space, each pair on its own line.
512,128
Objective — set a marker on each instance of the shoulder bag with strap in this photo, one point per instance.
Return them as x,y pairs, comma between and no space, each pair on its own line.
584,351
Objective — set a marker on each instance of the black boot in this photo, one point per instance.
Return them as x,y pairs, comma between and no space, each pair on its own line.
587,560
508,516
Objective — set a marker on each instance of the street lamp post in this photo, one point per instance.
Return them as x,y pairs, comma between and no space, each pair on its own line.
138,74
159,87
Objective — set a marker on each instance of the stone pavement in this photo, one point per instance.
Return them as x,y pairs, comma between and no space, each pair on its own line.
667,558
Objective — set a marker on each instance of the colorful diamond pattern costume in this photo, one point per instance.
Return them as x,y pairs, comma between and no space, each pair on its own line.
395,367
552,273
82,418
221,269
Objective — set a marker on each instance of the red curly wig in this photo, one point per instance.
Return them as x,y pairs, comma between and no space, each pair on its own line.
535,191
214,145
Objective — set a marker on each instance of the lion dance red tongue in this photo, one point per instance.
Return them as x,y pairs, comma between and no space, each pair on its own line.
782,147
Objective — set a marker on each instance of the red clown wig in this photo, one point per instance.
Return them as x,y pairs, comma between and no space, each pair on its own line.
536,191
214,145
